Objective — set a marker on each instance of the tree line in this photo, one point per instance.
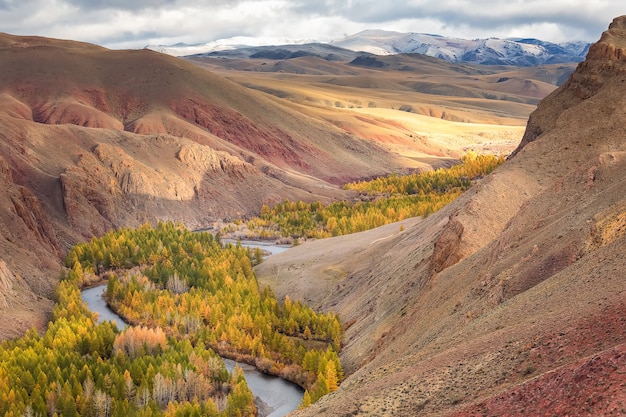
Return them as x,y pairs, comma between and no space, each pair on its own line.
82,368
188,299
382,201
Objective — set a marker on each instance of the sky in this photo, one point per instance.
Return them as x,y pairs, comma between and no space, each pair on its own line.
121,24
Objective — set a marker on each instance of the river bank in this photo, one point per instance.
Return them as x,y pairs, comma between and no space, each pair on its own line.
275,397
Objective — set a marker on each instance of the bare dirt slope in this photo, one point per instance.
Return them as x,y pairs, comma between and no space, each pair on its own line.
512,299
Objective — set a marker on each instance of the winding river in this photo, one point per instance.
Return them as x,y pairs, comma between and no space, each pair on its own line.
275,396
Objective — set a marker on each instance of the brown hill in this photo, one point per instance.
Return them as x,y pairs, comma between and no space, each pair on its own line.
512,299
150,93
504,93
412,105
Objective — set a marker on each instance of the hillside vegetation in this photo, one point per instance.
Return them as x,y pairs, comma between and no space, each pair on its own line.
383,200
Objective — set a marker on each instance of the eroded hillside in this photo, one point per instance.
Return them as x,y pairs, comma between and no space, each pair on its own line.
512,299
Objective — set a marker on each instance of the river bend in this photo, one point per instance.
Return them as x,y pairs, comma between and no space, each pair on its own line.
278,397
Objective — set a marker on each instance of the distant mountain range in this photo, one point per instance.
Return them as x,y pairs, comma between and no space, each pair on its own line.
490,51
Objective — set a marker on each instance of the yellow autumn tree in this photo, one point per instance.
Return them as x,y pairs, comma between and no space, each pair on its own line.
332,382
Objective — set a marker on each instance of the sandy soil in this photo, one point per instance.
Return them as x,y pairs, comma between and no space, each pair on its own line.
312,270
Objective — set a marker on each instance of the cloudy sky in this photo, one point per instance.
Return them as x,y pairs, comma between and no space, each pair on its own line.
120,24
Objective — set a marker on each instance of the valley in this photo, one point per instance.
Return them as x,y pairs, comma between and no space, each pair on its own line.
274,396
95,139
511,299
415,106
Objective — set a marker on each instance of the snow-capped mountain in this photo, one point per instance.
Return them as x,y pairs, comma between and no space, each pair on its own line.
490,51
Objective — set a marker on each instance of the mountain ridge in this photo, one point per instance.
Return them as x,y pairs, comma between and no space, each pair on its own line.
489,51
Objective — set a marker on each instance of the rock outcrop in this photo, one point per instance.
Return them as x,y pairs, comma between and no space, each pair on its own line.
604,66
5,171
7,281
29,209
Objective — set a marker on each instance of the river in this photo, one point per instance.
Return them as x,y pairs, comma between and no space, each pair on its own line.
96,303
277,396
252,244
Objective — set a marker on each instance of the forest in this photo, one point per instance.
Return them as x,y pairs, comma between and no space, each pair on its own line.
188,300
381,201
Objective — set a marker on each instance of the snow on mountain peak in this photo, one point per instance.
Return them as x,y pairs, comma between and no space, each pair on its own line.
494,51
481,51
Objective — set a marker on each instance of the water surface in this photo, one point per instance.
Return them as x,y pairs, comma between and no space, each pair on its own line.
97,304
279,396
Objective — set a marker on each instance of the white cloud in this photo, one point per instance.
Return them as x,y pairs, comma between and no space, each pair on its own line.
129,23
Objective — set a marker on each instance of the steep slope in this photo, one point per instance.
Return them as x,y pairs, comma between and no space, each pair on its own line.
512,299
